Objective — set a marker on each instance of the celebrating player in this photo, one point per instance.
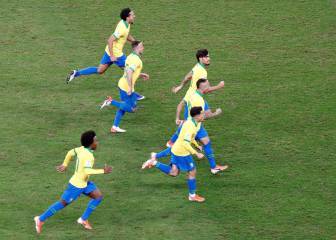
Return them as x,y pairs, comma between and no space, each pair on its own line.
126,85
181,159
196,99
78,183
113,50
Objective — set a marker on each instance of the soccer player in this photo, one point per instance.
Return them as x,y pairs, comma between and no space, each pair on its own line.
181,158
113,50
196,99
198,71
78,183
126,85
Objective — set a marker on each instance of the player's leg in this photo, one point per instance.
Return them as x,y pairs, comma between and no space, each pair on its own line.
202,136
192,187
96,197
105,62
171,169
69,195
162,154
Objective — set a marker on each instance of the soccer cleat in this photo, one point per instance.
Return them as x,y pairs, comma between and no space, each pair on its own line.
71,76
115,129
106,102
169,144
140,97
218,168
38,224
153,156
148,164
196,198
84,223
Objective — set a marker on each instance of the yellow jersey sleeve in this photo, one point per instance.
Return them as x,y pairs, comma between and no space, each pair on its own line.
120,33
134,63
69,156
198,72
182,146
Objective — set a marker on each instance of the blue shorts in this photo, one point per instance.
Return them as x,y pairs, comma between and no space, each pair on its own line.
72,193
186,110
130,100
183,163
107,60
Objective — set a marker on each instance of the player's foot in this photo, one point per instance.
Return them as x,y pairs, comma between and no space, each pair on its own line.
115,129
106,102
169,144
140,97
196,198
38,224
148,164
218,169
71,76
84,223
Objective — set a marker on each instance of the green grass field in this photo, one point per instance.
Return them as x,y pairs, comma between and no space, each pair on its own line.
277,131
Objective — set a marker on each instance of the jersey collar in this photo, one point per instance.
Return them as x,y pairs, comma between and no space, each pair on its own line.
126,23
136,54
90,150
194,122
202,65
199,93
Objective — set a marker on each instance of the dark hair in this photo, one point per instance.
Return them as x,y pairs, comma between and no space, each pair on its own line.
87,138
199,81
125,13
201,53
194,111
135,43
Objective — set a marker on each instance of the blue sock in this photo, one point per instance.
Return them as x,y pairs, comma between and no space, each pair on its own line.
192,185
120,113
163,167
209,154
87,71
51,211
164,153
91,207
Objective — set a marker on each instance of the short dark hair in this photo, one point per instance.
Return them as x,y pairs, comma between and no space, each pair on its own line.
199,81
194,111
87,138
125,13
201,53
135,43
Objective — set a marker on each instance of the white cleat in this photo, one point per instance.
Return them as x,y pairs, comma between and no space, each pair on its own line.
141,98
115,129
218,169
71,76
153,155
107,102
84,223
148,164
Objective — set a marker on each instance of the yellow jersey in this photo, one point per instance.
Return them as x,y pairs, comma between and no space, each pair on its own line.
182,146
196,100
84,163
120,33
133,62
198,72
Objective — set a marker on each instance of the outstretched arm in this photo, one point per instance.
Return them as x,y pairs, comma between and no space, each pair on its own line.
129,74
209,114
130,38
184,82
70,155
215,88
178,112
91,171
110,42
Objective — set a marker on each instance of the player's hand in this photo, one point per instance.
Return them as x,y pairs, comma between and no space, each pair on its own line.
113,58
218,111
221,84
199,155
200,148
145,76
129,92
176,89
107,169
178,121
61,168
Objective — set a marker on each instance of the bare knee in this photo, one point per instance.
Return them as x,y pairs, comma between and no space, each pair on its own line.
192,174
102,69
64,203
205,140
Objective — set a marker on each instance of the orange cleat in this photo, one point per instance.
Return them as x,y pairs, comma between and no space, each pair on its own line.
196,198
219,168
84,223
148,164
38,224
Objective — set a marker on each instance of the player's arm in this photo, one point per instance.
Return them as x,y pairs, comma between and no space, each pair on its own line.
130,38
129,74
90,171
178,112
184,82
110,43
209,114
145,76
69,156
215,88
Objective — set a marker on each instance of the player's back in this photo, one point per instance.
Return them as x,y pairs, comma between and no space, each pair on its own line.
198,72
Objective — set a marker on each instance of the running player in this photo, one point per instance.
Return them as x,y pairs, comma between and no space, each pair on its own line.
113,50
78,183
